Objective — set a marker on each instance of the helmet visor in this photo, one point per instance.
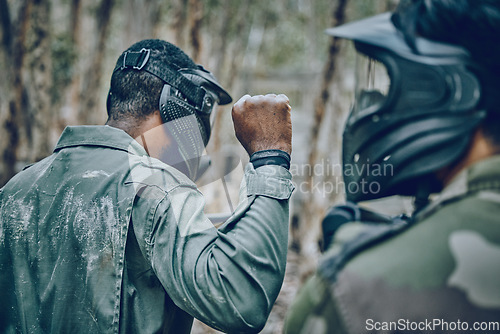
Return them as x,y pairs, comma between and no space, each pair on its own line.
371,86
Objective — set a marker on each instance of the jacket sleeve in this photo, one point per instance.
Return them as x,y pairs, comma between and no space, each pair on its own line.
229,277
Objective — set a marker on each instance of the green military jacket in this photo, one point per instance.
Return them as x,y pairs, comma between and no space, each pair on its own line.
101,238
440,274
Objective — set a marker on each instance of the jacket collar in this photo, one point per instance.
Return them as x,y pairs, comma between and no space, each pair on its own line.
99,135
481,176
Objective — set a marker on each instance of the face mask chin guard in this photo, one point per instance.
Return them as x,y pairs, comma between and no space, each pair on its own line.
414,112
187,103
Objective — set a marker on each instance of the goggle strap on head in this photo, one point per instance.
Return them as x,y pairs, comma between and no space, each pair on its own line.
135,59
139,60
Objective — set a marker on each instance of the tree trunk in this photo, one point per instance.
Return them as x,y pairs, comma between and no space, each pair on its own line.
145,14
70,102
195,21
13,56
39,67
179,22
89,110
306,227
236,51
75,20
6,35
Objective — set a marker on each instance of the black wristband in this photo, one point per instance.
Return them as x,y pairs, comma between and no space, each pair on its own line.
270,157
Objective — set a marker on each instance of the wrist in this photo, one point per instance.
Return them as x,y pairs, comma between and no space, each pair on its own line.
270,157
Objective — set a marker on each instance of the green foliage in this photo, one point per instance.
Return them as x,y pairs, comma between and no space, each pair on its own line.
285,46
63,58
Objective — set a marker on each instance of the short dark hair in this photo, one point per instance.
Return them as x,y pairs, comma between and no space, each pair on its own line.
472,24
135,94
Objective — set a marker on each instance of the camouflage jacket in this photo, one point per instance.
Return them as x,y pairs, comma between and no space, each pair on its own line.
101,238
440,274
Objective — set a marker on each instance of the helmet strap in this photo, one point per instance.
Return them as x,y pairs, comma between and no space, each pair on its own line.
424,189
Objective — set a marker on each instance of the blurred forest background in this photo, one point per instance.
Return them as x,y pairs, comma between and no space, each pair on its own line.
57,57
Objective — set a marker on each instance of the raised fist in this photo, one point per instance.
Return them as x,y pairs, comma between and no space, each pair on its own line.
263,122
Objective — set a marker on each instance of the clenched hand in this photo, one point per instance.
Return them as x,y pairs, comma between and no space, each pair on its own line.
263,122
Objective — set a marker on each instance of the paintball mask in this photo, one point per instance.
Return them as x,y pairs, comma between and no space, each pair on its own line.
415,110
187,103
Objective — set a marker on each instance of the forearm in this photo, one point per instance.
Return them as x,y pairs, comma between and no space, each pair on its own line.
230,278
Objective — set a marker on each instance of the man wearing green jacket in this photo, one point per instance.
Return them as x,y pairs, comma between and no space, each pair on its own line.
108,234
425,121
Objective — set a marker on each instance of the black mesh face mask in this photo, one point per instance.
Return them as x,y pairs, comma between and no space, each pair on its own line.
187,126
187,103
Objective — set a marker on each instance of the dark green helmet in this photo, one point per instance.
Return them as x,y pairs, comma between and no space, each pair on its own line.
414,113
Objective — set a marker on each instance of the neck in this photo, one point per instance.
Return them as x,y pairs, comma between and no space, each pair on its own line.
148,132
